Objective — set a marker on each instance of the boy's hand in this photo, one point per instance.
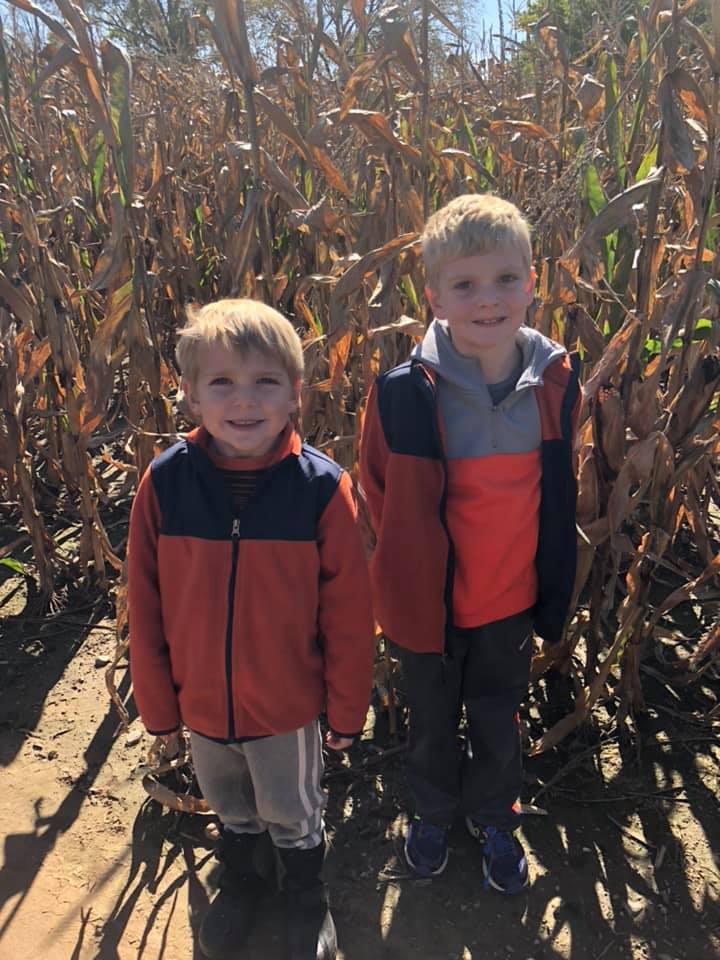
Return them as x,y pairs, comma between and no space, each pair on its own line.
335,742
171,743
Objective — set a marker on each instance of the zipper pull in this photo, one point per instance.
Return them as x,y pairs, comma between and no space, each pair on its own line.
235,528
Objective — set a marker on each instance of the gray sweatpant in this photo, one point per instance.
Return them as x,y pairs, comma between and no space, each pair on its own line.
270,784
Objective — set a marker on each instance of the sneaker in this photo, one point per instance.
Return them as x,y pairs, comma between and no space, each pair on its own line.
426,848
504,862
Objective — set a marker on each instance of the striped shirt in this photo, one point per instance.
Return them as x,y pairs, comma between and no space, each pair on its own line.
241,484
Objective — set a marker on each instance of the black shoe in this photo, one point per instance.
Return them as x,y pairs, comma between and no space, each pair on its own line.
230,917
310,927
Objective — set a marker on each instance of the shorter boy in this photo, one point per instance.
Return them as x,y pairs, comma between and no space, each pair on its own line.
467,466
250,613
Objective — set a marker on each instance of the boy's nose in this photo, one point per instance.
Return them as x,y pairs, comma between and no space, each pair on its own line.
486,296
244,396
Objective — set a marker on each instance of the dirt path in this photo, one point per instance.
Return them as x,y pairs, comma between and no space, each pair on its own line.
92,870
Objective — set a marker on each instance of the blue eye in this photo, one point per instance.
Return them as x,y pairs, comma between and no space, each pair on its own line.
463,285
268,380
219,381
508,278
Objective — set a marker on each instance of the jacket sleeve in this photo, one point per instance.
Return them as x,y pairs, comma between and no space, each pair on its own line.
150,668
345,614
374,454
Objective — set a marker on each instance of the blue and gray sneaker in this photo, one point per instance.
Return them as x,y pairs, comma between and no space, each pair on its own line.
504,862
426,848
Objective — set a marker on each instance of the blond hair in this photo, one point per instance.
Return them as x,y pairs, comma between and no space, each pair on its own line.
241,325
473,223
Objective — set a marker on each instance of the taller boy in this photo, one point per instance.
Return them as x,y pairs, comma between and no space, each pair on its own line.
467,466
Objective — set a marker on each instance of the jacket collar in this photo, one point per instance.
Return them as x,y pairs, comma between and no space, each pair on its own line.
288,443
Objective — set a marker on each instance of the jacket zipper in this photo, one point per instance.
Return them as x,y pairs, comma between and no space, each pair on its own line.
235,534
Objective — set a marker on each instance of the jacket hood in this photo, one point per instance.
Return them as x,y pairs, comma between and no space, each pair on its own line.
438,352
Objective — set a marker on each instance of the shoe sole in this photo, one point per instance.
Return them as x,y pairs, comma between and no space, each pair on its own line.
503,890
424,872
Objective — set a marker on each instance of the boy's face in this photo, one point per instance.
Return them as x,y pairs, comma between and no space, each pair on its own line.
244,400
484,298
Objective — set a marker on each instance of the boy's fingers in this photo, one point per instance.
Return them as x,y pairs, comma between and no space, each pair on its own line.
171,743
337,743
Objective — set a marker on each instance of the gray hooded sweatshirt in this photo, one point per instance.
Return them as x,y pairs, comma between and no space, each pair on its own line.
481,419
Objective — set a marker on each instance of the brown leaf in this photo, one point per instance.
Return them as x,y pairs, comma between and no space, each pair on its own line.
282,123
331,173
590,94
358,11
353,278
284,186
694,398
319,217
339,353
398,39
376,128
230,34
686,591
608,418
364,73
469,160
644,401
675,130
588,502
590,334
611,217
634,478
613,358
687,88
524,128
99,368
710,51
21,302
407,325
32,366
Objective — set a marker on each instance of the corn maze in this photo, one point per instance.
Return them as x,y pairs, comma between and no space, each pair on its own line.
132,186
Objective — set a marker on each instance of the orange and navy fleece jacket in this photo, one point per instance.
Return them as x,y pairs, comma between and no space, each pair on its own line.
248,625
467,540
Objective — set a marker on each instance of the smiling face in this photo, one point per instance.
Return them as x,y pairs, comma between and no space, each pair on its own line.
484,299
243,399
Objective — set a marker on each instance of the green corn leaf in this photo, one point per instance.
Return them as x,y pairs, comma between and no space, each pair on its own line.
596,200
408,288
13,565
98,164
711,237
646,164
119,69
613,119
469,135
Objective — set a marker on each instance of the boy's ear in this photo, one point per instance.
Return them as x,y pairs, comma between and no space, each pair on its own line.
432,300
297,392
190,395
532,280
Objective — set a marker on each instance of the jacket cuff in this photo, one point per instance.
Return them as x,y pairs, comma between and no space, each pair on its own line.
346,736
162,733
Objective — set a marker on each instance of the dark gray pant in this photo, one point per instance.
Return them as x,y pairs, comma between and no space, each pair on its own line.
487,669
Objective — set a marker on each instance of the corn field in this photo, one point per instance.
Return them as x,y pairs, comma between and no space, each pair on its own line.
128,189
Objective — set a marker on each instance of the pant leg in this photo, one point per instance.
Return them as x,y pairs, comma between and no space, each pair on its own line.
286,771
495,684
433,685
226,783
